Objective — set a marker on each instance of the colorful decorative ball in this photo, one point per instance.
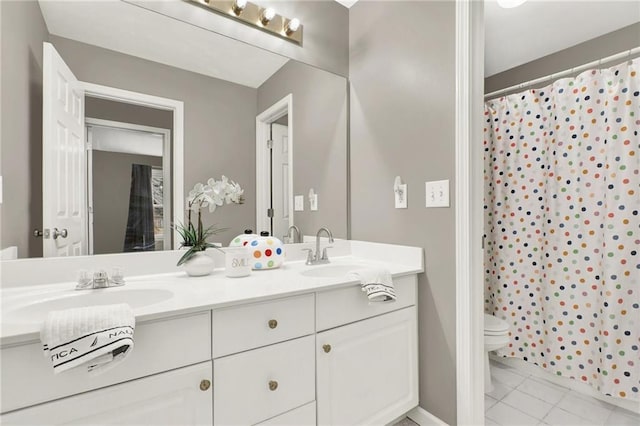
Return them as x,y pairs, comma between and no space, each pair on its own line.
243,239
266,252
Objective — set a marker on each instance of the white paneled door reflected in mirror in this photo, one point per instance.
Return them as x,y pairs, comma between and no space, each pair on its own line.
221,86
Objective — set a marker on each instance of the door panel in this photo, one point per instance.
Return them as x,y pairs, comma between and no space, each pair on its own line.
64,175
368,370
280,180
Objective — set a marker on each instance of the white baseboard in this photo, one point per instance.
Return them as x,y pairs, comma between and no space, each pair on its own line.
580,387
424,418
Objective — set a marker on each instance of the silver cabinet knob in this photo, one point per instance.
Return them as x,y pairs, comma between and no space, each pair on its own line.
273,324
57,233
37,233
273,385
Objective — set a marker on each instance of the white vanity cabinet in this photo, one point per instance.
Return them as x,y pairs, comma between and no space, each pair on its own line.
322,356
161,345
180,397
367,370
264,360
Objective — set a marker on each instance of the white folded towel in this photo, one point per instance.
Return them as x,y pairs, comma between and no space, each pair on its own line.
98,337
376,282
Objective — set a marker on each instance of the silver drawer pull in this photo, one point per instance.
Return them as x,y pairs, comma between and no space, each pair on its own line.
273,385
273,324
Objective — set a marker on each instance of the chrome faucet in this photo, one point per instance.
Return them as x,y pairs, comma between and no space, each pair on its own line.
100,279
297,238
318,259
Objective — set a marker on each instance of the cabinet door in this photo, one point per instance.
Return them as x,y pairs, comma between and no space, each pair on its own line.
177,397
368,371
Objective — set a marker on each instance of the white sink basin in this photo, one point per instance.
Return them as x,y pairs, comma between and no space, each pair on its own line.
37,310
328,271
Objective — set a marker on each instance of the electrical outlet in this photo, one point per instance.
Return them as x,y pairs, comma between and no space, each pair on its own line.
313,202
298,203
437,193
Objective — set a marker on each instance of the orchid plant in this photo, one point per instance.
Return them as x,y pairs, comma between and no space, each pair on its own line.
213,194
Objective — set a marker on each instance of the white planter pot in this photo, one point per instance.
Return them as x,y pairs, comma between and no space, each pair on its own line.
199,264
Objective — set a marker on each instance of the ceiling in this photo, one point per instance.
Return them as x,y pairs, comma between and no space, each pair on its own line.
541,27
135,31
512,36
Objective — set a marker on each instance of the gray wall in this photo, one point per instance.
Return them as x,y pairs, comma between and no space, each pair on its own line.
402,123
319,141
22,32
325,22
591,50
111,185
127,113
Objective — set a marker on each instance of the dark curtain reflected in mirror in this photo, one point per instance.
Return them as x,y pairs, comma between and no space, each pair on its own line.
140,227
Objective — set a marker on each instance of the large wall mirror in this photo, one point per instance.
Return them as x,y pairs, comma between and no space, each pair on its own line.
223,86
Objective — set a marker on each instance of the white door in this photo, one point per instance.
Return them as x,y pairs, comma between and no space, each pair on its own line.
179,397
280,180
367,372
64,169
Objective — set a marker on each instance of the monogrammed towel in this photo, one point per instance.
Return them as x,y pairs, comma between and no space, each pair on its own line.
95,337
376,282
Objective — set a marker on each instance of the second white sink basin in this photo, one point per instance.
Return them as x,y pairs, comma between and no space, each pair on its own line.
37,310
328,271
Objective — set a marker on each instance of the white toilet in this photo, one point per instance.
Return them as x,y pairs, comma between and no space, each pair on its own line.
496,336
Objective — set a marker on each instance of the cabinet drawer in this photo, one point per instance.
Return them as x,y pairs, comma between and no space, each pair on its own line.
172,398
240,328
350,304
27,378
303,416
256,385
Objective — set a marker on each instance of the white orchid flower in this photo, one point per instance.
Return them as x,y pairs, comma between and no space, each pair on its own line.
214,194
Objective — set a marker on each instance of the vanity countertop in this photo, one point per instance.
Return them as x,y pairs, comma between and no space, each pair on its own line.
181,294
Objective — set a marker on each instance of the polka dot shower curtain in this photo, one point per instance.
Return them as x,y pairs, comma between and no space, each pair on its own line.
562,194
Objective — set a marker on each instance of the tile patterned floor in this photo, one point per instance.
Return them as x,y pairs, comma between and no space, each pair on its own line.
522,399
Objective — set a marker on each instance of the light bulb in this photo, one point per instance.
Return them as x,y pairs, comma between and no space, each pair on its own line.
509,4
292,26
238,6
267,15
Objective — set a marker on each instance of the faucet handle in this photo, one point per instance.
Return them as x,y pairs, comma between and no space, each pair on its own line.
84,281
310,257
324,253
117,276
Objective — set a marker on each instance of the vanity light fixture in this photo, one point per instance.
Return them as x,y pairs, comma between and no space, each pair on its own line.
262,18
238,6
267,15
292,26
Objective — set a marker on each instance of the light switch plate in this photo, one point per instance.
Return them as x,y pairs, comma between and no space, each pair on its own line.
313,202
437,193
401,196
298,203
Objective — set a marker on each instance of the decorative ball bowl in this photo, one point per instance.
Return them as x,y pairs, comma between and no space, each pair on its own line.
265,252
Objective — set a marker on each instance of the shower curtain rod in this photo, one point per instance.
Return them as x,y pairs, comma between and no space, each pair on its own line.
560,74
